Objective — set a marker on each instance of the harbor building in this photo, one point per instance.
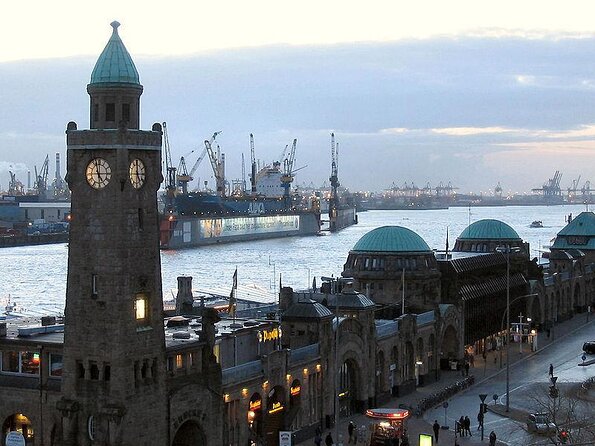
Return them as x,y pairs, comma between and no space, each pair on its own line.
117,373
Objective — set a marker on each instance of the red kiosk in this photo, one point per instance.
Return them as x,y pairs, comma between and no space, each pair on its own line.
387,425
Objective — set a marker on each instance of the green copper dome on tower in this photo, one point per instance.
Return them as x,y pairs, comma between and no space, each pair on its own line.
489,229
391,239
115,66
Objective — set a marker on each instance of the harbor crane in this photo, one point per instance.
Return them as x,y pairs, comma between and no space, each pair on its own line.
334,180
217,163
170,171
184,176
15,187
41,177
551,190
252,167
287,176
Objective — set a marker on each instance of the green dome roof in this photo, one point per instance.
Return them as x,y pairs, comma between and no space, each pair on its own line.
115,64
391,239
583,224
489,229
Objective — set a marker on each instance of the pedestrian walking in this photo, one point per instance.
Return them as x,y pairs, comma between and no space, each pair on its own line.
480,419
317,438
462,425
328,441
466,369
492,438
551,370
468,426
350,429
436,428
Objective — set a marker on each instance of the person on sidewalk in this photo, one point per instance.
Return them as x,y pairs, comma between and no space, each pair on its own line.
328,441
480,419
492,438
405,439
466,369
462,425
468,426
551,370
318,437
350,428
436,428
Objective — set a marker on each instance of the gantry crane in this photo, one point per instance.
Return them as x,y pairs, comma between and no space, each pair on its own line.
184,176
15,187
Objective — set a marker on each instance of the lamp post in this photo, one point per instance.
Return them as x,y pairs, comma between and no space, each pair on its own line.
507,249
482,397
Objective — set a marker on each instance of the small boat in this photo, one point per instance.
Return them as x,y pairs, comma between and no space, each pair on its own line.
536,224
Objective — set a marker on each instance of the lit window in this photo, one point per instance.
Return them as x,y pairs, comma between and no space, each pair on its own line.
179,361
140,306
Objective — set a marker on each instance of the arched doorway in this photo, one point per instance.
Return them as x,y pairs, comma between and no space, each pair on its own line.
578,301
294,418
275,417
255,418
348,388
431,355
394,369
20,423
535,312
450,348
409,363
190,434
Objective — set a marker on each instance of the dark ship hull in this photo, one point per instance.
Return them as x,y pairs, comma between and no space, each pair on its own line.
198,219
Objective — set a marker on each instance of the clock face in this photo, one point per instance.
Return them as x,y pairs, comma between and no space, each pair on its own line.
137,173
98,173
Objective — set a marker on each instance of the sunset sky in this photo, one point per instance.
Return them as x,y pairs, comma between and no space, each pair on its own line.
467,92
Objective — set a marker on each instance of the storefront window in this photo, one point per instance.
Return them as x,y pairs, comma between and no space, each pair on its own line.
56,365
10,362
21,362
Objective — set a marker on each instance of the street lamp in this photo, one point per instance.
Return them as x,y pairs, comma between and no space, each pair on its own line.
507,249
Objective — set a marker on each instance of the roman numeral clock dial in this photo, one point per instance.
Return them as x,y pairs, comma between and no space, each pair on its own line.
137,173
98,173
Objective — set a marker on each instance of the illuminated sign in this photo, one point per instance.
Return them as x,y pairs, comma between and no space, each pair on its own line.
276,407
295,390
425,440
269,335
390,414
255,405
231,227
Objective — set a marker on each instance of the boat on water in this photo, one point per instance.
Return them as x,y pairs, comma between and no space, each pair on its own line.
536,224
267,210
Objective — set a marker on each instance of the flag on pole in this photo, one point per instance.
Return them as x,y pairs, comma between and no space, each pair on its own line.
231,309
447,241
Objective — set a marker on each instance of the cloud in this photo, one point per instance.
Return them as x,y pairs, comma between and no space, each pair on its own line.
470,131
6,166
394,131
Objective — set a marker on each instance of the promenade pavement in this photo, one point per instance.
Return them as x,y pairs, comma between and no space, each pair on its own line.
482,370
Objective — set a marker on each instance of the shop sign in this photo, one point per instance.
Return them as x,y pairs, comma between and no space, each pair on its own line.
269,335
276,407
295,390
256,404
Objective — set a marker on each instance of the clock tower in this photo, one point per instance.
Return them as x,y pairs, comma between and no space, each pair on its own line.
114,347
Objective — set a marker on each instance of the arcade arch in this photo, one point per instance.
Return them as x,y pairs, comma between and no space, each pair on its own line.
190,434
20,423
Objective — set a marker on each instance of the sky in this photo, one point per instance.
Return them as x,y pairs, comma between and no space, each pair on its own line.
467,92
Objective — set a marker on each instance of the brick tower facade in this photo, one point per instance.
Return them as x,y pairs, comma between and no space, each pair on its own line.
114,390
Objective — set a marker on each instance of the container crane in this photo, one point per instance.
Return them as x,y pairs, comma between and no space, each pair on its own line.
218,164
184,176
15,187
170,172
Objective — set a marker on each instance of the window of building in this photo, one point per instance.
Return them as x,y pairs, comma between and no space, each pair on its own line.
110,112
56,364
126,112
94,370
26,363
179,361
140,309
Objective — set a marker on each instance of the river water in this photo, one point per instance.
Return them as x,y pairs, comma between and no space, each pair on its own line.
35,276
